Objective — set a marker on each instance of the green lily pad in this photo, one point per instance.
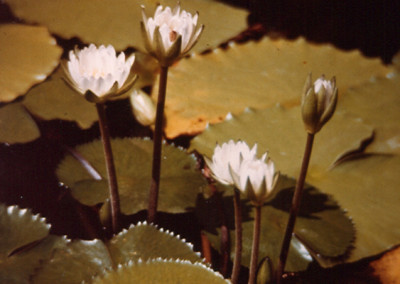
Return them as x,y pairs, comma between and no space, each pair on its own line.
162,271
54,99
147,242
83,260
322,227
281,132
180,181
78,261
118,23
203,89
27,55
368,189
16,125
24,244
378,103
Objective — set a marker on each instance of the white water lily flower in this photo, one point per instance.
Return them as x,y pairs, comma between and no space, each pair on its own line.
256,178
143,108
227,158
318,103
170,33
99,71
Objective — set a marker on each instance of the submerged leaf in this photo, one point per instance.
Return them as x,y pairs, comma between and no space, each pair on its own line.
118,23
204,89
27,55
321,224
162,271
16,125
180,181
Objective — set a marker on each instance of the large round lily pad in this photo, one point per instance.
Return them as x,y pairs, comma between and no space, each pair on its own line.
118,22
27,55
180,181
204,89
322,227
162,271
378,103
280,131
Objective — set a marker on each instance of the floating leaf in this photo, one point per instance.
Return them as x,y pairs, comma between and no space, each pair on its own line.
281,132
260,74
368,189
53,99
147,242
118,23
24,244
27,55
180,181
378,103
16,124
83,260
163,271
321,224
78,261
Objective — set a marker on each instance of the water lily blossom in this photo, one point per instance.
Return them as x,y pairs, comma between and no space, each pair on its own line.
143,108
98,73
256,178
318,103
227,158
170,33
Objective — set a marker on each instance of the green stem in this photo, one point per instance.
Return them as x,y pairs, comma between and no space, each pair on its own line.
157,140
256,242
238,237
294,210
112,177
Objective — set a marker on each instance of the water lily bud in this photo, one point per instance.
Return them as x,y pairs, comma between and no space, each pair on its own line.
98,73
257,179
170,34
143,108
318,103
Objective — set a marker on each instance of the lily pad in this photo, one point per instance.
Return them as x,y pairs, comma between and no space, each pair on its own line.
280,131
78,261
322,227
368,189
24,244
180,181
27,55
148,242
118,23
204,89
378,103
162,271
83,260
16,125
53,99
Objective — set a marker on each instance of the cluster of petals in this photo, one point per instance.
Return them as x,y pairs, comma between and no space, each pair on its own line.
98,70
170,33
236,164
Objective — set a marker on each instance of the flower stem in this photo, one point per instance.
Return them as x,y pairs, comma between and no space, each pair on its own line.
256,242
294,209
112,177
156,169
238,237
